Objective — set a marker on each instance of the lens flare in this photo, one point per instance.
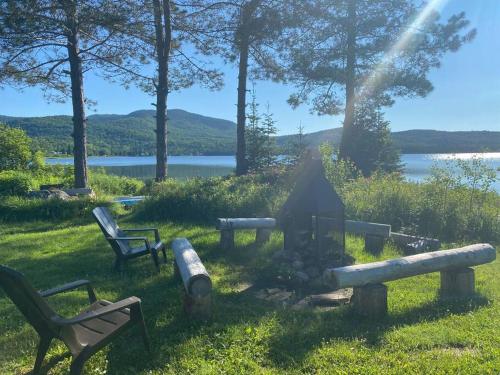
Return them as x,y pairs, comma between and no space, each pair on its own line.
375,79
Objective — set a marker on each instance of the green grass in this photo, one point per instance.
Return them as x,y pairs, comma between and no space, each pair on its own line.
419,335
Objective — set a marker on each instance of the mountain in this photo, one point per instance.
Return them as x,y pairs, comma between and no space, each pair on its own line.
193,134
417,141
133,134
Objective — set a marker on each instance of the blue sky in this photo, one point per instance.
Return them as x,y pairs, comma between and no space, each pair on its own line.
466,94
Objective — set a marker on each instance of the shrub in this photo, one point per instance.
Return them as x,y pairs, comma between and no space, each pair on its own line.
16,183
15,152
204,200
19,209
114,185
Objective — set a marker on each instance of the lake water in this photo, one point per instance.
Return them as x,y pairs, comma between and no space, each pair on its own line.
416,166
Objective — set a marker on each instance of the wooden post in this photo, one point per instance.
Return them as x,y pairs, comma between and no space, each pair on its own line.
262,235
457,283
374,244
227,239
370,300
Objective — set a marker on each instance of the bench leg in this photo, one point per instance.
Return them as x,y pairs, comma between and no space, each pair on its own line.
370,300
374,244
199,307
227,239
457,283
262,235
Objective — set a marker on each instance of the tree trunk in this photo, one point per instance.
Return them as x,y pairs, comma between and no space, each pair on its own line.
163,39
78,101
241,161
346,142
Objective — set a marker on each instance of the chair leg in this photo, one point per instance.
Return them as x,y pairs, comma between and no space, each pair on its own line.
77,365
118,265
145,336
154,255
164,254
43,347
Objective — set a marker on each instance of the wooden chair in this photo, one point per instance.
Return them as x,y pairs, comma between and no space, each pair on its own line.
84,334
120,242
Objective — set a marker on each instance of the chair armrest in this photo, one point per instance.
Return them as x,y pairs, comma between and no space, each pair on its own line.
155,230
146,241
125,303
70,286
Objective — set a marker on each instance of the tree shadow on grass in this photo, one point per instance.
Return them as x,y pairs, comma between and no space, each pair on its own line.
309,332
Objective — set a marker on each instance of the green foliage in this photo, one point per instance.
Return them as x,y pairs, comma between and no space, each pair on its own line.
20,209
295,148
370,145
132,134
203,200
15,183
261,151
447,206
15,152
340,172
114,185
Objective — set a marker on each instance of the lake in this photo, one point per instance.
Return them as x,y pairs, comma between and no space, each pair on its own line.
416,166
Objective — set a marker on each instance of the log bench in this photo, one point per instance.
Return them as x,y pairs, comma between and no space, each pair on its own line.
195,278
227,226
370,294
375,234
414,244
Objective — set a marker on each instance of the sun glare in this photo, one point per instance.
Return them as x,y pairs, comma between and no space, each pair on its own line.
378,74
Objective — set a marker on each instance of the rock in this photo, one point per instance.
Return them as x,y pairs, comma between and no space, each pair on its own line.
50,194
339,297
302,277
298,264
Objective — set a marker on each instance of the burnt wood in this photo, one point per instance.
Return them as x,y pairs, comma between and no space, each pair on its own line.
121,243
86,333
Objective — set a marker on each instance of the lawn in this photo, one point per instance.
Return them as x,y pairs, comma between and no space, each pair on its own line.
419,335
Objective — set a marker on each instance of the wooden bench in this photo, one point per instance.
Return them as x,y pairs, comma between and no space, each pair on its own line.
195,278
227,226
414,244
375,234
370,295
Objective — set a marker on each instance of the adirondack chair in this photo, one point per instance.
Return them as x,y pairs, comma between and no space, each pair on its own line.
120,242
84,334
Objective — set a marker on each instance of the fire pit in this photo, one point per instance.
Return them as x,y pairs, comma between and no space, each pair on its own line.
313,223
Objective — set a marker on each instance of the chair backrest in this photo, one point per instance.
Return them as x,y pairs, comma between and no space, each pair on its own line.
111,229
28,301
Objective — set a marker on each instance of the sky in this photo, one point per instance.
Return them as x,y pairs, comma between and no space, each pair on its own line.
466,93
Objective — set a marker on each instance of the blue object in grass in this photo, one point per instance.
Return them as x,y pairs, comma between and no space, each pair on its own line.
129,201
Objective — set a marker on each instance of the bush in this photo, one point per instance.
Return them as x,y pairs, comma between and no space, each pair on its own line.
103,183
203,200
20,209
15,152
16,183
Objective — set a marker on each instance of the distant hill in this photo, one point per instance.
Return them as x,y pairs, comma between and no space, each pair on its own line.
417,141
133,134
193,134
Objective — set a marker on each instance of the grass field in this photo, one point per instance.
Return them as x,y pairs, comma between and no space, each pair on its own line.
420,334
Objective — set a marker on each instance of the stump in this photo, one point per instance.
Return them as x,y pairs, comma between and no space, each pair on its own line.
262,235
370,300
374,244
227,239
457,283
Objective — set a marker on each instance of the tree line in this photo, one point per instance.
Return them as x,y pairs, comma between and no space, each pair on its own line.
342,56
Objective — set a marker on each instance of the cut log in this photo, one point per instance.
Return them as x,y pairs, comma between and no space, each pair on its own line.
245,223
457,283
415,244
227,239
370,301
363,227
378,272
197,283
374,244
262,235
